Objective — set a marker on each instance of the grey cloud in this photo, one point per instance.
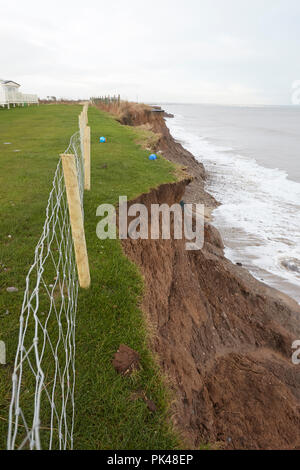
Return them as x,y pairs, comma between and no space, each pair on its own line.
213,50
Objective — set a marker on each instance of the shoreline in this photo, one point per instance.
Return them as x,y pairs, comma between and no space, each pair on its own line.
236,238
196,193
222,338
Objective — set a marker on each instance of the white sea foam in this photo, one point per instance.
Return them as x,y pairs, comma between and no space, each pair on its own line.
260,213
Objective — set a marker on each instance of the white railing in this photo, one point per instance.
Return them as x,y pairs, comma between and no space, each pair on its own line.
18,98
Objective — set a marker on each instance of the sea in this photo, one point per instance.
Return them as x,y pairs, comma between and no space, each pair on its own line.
252,159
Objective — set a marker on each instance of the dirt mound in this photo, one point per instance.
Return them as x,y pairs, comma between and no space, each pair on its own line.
126,360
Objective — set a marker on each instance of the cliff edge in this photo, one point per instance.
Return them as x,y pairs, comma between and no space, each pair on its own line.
221,337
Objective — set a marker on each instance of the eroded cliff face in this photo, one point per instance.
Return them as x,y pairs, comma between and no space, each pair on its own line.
222,338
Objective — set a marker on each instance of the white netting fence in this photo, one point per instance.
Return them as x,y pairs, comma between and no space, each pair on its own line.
41,412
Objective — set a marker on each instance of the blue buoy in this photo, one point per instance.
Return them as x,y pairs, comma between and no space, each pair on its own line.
102,140
152,156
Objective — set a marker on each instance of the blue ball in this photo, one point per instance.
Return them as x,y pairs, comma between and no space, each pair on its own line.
102,140
152,156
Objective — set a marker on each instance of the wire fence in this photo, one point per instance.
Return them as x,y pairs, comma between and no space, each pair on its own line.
42,408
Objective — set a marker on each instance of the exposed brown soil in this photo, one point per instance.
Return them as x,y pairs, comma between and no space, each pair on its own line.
223,338
126,360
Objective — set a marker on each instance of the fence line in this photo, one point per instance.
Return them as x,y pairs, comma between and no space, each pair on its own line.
106,99
42,408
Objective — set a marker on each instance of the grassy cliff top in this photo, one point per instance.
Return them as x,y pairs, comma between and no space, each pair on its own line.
108,313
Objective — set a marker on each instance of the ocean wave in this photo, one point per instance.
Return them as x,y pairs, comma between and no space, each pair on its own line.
259,218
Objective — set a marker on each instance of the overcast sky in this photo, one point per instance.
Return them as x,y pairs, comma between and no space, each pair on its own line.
220,51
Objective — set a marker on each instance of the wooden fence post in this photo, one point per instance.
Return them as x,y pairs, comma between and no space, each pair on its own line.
82,121
76,218
85,113
87,157
2,353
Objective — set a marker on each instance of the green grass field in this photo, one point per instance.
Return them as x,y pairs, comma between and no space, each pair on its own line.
108,313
